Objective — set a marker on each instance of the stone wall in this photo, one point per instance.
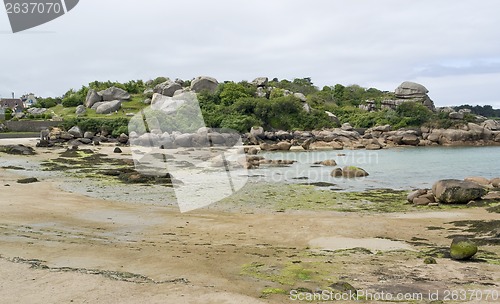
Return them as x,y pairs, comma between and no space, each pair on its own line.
30,126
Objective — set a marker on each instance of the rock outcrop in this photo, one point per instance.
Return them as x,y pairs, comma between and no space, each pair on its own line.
421,197
352,172
260,81
204,83
109,107
411,91
37,111
92,98
333,117
470,133
328,163
281,146
456,115
257,132
97,104
300,96
76,132
114,93
380,137
453,191
17,150
337,172
495,182
80,110
478,180
167,88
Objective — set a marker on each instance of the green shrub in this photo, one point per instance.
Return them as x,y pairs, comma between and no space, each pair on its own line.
298,85
158,80
47,102
231,92
134,86
98,124
8,114
276,93
119,130
239,122
413,113
72,100
314,121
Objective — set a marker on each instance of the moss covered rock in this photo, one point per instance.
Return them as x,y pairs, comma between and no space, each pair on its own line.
343,287
352,171
462,248
430,261
17,150
452,191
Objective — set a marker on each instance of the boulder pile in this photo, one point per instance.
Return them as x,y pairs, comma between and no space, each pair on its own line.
379,137
406,92
411,91
453,191
73,137
106,101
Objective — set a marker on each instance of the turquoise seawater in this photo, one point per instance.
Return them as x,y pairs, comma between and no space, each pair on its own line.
395,168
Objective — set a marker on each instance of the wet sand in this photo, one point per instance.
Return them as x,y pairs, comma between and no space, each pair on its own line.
86,249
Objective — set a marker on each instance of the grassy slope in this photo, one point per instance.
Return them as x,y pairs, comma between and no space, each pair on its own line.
132,106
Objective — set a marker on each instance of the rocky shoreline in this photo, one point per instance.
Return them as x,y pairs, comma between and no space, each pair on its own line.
84,226
346,137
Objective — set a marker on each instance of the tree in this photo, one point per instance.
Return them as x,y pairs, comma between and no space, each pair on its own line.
134,86
486,111
239,122
338,93
73,100
231,92
373,93
47,102
298,85
353,94
413,114
279,113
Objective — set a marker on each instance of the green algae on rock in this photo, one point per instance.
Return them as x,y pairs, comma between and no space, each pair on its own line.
462,248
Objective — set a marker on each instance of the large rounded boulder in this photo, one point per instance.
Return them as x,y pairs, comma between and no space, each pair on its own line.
92,98
184,140
114,93
352,172
257,132
109,107
284,146
167,88
462,248
454,191
204,83
410,89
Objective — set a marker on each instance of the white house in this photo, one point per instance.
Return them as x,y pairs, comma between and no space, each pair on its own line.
29,100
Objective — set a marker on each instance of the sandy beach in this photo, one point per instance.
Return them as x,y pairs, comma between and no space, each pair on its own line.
60,246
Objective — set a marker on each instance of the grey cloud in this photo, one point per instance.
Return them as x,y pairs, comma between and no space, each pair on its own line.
467,68
331,41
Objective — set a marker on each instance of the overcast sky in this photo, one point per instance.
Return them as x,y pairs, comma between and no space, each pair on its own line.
451,47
